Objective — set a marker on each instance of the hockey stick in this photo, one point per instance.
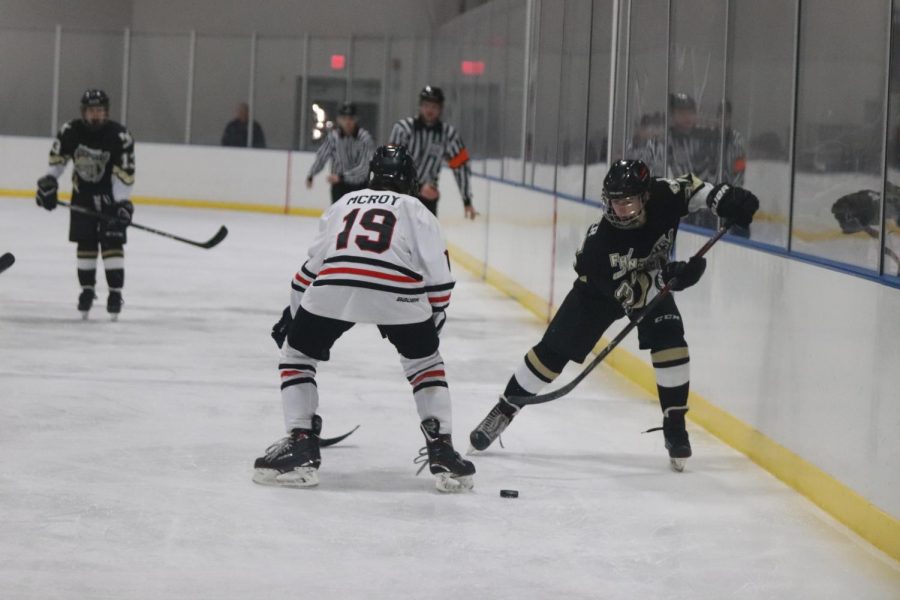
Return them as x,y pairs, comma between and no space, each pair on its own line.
6,261
211,242
323,442
665,291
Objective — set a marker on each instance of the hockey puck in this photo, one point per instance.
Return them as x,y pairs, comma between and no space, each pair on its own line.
509,493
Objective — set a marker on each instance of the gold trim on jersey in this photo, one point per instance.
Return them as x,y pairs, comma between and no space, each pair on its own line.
123,175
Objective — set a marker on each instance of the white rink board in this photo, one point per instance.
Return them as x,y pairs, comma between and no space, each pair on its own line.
180,172
127,449
840,356
806,355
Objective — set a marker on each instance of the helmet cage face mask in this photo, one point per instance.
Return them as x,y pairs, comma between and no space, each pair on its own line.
624,212
94,109
94,101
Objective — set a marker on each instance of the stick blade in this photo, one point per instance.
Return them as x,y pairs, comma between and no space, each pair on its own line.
6,261
323,442
216,239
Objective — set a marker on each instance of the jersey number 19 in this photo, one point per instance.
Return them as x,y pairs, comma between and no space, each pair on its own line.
376,220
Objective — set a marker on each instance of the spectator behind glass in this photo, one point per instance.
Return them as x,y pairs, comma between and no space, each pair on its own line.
734,156
236,130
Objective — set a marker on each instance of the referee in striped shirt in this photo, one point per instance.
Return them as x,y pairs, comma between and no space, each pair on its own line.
431,141
350,148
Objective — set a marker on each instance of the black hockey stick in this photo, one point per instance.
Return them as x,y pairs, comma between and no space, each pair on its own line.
323,442
6,261
665,291
211,242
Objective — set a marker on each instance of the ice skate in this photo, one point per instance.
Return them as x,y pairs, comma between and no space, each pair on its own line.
494,424
677,443
85,301
452,472
291,462
114,305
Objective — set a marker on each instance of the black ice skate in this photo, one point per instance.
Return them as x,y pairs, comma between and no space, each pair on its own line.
114,304
292,461
85,301
453,472
677,442
494,424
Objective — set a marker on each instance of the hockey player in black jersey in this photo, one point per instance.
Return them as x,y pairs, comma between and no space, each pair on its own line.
622,264
102,153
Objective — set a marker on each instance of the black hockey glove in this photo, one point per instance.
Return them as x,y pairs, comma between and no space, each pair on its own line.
854,212
46,192
112,230
280,329
123,210
685,274
733,204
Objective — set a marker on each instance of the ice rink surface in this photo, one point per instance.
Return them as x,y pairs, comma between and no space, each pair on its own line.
126,451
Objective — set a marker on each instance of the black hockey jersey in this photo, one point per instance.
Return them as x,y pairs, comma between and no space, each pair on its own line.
103,161
610,256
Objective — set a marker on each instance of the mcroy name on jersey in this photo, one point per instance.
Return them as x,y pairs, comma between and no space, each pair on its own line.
374,199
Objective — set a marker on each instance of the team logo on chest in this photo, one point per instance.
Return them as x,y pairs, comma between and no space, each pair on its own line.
654,259
90,164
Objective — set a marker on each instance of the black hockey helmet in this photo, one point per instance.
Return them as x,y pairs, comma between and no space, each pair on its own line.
89,99
625,191
682,100
392,168
94,97
431,93
348,109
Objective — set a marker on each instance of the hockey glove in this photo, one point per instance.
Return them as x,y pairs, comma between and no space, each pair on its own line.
112,231
280,329
733,204
684,273
854,212
123,211
46,192
439,318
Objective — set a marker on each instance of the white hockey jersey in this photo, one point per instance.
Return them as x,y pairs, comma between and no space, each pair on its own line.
379,257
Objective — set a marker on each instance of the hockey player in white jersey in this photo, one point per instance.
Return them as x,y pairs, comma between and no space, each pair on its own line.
379,257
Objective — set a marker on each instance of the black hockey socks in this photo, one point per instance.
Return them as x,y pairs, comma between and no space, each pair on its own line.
86,264
114,264
673,375
539,367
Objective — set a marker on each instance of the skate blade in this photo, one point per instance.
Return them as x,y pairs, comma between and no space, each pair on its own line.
677,464
445,482
113,317
472,451
302,477
84,315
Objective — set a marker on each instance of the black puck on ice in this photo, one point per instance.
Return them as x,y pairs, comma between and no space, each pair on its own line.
509,493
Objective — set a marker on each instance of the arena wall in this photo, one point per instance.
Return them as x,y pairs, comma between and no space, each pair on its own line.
793,364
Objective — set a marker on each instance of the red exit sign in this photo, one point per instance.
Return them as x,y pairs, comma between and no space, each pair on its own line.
472,67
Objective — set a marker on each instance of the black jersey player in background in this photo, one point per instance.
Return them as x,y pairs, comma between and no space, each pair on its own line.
431,141
622,264
102,153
